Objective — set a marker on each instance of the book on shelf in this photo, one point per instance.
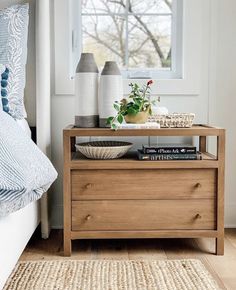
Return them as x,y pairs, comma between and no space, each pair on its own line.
148,125
160,157
169,149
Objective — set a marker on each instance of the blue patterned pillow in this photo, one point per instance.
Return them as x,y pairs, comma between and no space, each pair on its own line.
13,53
4,75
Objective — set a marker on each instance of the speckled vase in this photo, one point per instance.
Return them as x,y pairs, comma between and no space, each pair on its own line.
86,92
110,90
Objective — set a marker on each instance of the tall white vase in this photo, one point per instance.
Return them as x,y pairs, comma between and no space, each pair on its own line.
86,92
110,90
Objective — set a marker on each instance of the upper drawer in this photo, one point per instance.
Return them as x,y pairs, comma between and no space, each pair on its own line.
143,184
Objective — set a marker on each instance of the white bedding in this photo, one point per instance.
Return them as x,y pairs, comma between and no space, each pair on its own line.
24,126
25,172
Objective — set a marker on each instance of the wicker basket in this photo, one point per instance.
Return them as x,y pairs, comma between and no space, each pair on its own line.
175,120
104,149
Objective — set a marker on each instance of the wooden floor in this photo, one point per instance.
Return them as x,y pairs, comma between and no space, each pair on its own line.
223,266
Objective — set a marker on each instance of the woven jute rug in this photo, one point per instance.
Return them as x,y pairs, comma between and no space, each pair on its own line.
111,275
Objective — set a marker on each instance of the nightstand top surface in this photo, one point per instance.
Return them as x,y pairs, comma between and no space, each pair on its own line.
195,130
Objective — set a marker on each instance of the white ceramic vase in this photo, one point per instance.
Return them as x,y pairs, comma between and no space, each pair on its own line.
110,90
86,92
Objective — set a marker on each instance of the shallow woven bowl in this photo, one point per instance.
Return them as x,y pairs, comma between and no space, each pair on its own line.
104,149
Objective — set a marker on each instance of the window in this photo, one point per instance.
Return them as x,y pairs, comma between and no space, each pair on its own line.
143,37
188,54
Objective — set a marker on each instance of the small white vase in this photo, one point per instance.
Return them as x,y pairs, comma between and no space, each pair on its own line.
86,92
110,90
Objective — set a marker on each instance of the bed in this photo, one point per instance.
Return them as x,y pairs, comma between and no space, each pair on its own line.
17,228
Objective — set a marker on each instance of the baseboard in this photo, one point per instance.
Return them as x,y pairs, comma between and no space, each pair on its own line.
230,215
230,226
57,216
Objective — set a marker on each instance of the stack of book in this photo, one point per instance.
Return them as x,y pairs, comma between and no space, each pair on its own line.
169,152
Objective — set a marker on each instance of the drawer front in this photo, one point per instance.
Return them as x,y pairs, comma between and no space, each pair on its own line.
143,184
143,215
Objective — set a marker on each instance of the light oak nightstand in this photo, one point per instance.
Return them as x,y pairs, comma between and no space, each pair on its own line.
127,198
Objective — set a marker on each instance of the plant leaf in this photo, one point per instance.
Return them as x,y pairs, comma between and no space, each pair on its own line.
132,111
116,107
120,119
109,120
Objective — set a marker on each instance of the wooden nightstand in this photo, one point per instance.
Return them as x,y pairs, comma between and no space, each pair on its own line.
127,198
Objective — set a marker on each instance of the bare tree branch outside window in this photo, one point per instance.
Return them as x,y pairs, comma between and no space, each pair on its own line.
135,33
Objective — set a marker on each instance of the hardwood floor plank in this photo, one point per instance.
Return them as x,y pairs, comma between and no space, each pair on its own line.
39,249
224,266
231,235
109,249
145,249
181,248
81,250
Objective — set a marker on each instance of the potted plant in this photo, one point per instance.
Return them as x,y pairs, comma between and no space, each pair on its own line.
136,108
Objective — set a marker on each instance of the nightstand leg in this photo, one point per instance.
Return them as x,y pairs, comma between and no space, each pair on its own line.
220,246
67,247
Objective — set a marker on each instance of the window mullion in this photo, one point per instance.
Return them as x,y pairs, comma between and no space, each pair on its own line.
123,14
173,37
126,37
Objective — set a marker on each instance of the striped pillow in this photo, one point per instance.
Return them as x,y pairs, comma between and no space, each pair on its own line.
4,74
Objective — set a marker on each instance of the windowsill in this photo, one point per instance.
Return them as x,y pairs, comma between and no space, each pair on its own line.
148,74
162,87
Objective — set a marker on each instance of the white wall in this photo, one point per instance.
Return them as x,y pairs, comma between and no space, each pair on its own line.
222,93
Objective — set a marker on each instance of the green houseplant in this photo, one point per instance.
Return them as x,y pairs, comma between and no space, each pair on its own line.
136,108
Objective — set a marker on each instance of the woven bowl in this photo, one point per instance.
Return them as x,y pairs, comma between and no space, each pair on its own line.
104,149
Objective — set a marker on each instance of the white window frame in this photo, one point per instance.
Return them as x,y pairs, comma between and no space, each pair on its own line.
176,44
67,55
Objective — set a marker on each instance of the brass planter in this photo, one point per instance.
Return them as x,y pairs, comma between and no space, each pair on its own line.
139,118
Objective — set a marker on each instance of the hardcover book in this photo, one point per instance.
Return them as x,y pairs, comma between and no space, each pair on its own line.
157,157
170,149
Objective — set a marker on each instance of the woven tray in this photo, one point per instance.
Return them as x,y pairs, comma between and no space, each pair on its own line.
104,149
175,120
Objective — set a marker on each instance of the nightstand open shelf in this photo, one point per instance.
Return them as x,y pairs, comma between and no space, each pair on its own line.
128,198
130,161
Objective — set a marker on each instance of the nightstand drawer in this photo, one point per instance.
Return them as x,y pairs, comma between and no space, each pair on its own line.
143,215
143,184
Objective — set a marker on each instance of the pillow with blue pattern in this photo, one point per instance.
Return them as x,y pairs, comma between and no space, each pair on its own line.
13,53
4,74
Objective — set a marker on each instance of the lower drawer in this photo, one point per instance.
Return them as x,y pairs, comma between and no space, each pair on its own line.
143,215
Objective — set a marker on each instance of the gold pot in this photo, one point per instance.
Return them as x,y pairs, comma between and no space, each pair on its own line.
139,118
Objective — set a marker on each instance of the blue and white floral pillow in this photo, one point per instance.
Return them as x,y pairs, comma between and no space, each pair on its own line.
13,53
4,75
